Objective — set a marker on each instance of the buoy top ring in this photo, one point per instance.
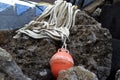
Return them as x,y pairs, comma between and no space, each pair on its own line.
63,50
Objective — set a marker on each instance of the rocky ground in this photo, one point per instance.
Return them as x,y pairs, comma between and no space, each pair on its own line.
89,45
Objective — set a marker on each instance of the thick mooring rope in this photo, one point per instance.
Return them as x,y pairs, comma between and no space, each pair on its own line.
55,22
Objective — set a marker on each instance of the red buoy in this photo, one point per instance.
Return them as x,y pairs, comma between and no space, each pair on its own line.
61,60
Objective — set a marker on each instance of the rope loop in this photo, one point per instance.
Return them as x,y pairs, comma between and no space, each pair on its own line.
55,22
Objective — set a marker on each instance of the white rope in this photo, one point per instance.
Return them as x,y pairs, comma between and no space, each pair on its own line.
55,23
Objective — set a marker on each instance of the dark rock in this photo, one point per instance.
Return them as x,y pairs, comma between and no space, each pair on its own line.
9,66
33,63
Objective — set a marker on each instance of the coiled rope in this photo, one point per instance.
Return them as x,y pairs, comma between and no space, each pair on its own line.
55,22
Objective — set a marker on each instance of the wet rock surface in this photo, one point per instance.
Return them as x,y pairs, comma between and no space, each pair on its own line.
89,44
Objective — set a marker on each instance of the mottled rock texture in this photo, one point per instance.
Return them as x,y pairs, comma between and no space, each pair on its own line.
89,45
9,66
76,73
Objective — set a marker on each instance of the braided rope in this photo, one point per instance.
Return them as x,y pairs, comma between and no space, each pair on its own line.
55,23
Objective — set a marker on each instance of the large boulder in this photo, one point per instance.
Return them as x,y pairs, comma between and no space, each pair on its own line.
89,45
